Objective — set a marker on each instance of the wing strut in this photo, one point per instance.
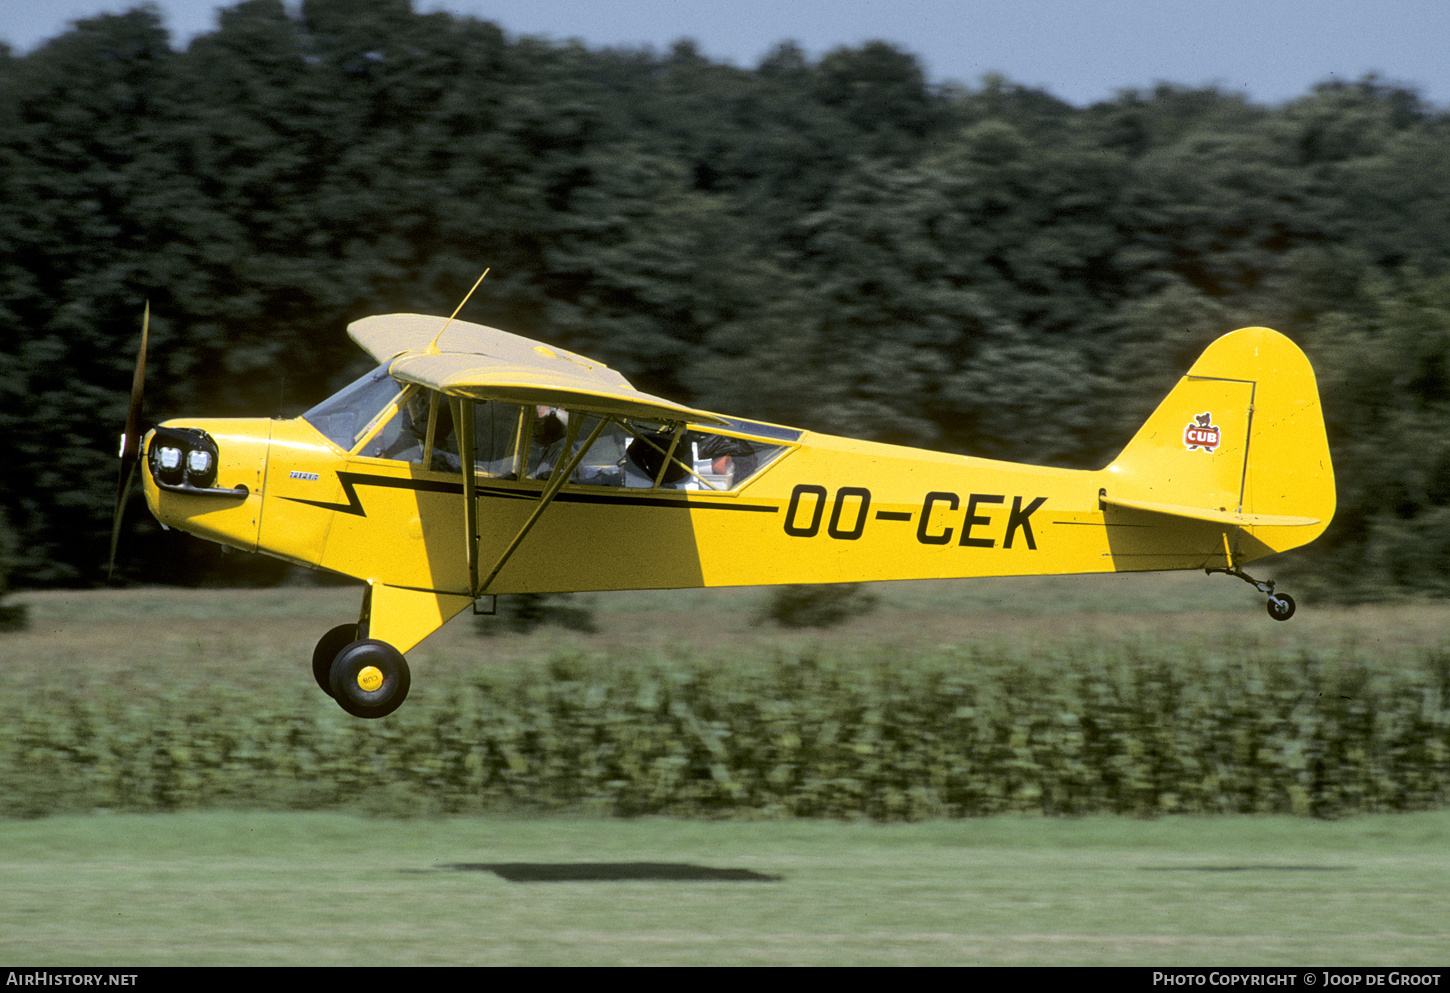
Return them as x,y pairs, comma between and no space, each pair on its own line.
463,418
562,471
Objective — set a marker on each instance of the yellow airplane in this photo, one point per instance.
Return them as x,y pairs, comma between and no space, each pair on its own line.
473,461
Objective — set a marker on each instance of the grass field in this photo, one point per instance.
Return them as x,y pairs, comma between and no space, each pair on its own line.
274,888
304,889
265,637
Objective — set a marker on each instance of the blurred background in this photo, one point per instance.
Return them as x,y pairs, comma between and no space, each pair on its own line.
840,234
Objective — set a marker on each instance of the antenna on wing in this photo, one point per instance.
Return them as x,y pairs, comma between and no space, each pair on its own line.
433,346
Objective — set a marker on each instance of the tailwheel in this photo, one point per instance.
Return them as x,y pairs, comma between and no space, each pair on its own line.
326,651
370,678
1281,606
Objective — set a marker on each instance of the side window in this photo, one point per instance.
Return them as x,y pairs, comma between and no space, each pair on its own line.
653,449
404,431
421,432
599,466
699,460
538,438
548,429
496,438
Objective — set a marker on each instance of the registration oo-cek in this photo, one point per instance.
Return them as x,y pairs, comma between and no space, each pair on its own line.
473,462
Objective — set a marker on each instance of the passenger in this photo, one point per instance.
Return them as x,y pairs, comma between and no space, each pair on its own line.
647,453
733,458
599,467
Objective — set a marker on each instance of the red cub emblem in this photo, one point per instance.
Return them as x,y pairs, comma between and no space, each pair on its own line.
1201,433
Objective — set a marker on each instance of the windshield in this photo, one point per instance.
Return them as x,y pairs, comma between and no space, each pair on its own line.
345,416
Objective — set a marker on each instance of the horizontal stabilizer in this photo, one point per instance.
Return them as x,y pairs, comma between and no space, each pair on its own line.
1213,516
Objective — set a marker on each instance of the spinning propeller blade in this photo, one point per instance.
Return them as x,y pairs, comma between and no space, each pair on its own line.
130,441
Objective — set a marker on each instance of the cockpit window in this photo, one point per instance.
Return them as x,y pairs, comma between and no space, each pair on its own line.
644,455
345,417
702,460
530,442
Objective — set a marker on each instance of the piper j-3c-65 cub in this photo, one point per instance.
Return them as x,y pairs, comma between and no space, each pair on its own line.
473,462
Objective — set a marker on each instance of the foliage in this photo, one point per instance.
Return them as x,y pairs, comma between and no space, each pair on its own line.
1385,374
820,606
839,244
521,613
896,736
13,616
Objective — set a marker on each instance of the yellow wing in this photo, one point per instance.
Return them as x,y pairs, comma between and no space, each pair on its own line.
484,363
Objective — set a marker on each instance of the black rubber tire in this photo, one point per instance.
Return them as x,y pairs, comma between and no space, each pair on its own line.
351,664
326,651
1281,606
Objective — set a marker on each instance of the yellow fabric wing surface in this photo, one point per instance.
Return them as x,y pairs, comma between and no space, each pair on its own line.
484,363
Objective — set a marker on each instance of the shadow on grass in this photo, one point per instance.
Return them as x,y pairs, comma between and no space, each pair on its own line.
611,872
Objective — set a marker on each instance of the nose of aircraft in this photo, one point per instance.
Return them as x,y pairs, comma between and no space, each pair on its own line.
206,477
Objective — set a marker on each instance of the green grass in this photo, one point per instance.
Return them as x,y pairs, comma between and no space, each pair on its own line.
229,888
265,637
306,889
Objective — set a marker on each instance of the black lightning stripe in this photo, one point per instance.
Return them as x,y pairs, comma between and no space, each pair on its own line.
352,480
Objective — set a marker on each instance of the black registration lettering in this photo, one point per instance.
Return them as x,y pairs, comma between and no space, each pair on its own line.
851,509
834,529
809,531
950,499
973,519
1019,518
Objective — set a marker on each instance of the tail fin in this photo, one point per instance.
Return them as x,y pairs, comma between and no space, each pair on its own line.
1239,442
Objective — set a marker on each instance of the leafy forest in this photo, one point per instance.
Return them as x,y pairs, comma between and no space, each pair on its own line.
838,244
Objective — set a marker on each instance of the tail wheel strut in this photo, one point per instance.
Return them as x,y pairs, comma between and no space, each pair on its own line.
1281,605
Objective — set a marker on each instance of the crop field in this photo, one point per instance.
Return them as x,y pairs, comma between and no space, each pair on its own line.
213,863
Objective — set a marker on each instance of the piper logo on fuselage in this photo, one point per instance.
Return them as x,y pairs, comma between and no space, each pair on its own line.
1201,433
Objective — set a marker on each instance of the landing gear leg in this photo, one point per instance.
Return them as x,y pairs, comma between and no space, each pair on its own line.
1281,605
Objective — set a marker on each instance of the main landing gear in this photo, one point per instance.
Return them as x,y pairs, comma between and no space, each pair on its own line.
367,678
1281,605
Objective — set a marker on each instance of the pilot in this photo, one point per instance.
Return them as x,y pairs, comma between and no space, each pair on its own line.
409,444
551,427
445,442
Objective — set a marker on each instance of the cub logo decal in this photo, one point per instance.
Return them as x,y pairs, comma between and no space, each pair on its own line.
1201,433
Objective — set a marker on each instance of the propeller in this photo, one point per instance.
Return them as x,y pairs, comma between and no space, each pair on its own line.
130,441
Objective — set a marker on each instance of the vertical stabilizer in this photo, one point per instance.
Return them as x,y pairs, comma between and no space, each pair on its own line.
1241,437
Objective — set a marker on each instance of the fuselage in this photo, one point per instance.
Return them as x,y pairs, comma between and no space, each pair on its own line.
826,509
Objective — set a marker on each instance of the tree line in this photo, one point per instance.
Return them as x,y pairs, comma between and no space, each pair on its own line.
836,243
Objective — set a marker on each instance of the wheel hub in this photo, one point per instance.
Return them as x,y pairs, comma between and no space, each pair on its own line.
369,678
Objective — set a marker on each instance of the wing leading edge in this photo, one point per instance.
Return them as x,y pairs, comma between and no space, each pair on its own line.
484,363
